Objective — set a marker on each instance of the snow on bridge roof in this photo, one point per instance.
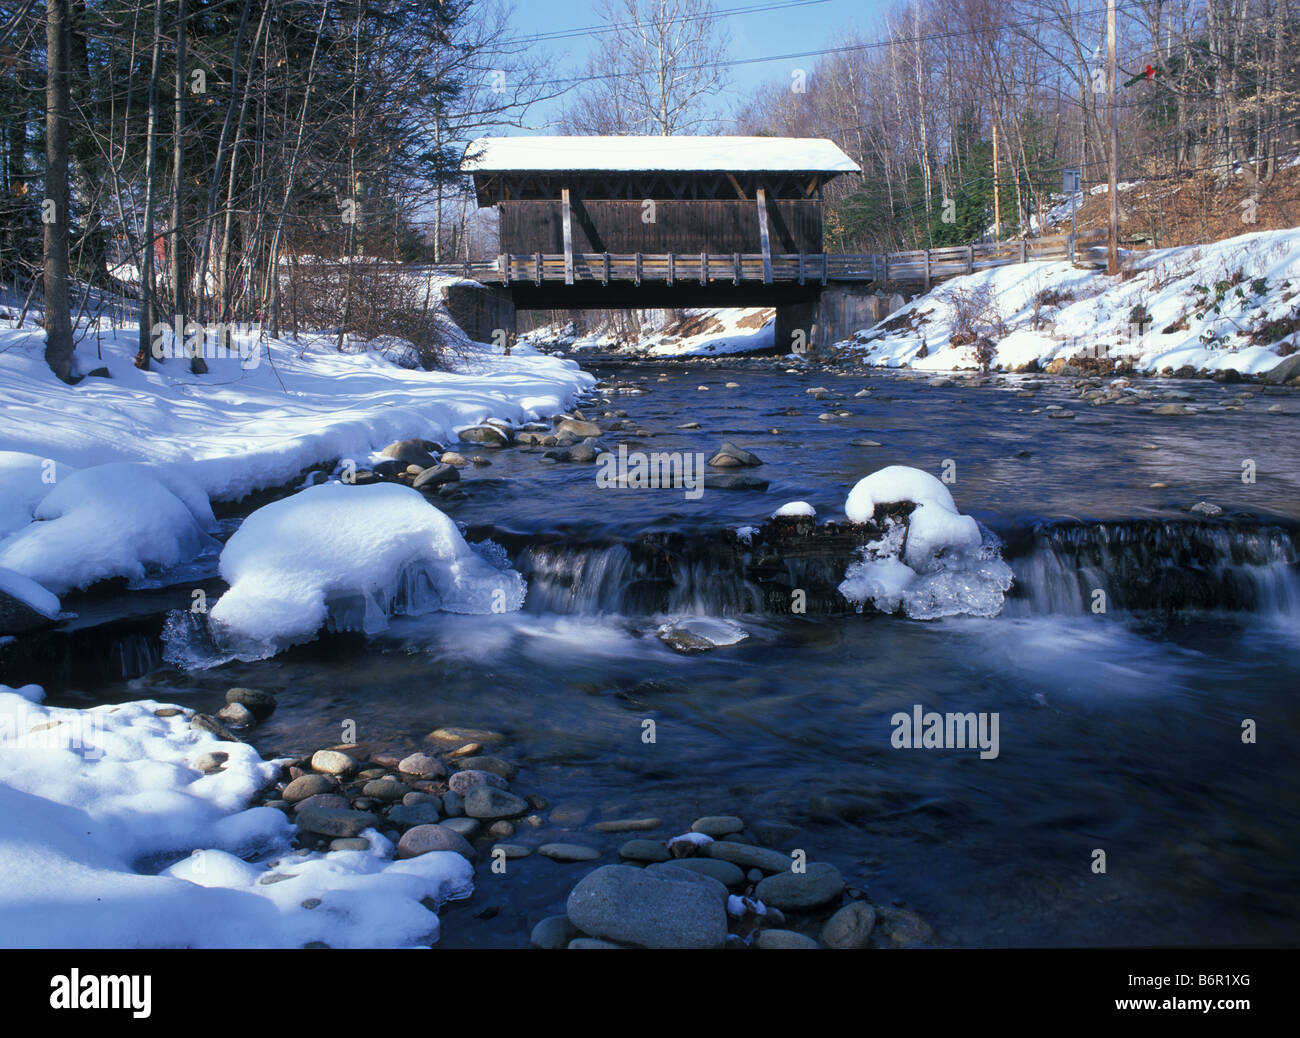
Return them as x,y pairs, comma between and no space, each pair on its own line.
665,154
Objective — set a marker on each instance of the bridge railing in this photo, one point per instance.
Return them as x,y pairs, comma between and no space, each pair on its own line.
925,266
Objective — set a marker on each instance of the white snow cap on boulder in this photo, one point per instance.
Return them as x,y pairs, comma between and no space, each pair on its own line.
350,556
935,522
795,508
936,563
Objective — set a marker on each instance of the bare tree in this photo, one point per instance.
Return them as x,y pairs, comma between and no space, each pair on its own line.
662,64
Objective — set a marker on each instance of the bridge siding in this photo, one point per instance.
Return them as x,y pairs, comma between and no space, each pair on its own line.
679,226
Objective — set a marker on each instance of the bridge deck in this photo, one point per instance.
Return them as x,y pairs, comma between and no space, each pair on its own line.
923,266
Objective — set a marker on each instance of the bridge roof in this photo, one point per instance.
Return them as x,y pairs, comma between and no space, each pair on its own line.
658,154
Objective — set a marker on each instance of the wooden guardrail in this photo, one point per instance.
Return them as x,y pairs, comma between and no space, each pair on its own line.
924,266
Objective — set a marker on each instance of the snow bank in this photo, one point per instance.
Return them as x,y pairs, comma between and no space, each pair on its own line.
117,520
245,427
350,557
937,562
1208,306
94,802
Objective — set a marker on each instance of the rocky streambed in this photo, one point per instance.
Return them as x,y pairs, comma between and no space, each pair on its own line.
719,882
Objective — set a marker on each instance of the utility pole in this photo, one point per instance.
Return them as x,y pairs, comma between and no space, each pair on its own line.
1112,235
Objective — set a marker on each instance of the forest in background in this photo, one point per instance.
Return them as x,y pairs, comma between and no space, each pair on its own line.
222,159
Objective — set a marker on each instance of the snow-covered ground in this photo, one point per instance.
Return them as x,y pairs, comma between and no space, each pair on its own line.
1231,304
115,832
704,332
114,476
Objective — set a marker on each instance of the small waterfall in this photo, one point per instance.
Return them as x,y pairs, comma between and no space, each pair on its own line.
1156,566
1165,567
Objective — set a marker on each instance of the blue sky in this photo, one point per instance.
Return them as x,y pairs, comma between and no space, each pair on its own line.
814,24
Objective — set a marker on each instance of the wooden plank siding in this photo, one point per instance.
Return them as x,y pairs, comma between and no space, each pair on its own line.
661,226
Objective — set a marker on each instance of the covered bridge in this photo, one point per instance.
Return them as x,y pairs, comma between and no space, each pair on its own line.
656,221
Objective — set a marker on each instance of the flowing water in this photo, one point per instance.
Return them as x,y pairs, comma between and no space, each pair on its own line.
1119,730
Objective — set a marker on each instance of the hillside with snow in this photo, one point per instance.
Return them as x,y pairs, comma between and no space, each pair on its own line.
1233,304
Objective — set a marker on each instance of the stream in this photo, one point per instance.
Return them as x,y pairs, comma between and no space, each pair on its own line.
1119,730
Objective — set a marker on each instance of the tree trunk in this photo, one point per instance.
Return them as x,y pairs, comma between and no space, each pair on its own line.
147,304
58,311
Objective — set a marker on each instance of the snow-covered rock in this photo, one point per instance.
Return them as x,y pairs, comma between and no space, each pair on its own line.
93,803
350,557
936,562
116,520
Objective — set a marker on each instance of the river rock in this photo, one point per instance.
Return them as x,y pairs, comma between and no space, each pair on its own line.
568,852
850,927
415,814
452,458
211,763
237,714
386,789
511,850
336,822
585,451
352,843
1287,369
467,827
783,939
903,927
673,868
748,857
333,762
333,801
422,765
488,435
717,826
555,931
644,850
436,476
646,908
489,802
411,452
595,944
456,734
1168,409
724,872
463,781
579,429
701,633
308,785
425,838
493,764
820,883
731,456
453,804
208,723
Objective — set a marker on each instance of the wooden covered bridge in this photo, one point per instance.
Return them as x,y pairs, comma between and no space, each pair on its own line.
644,222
